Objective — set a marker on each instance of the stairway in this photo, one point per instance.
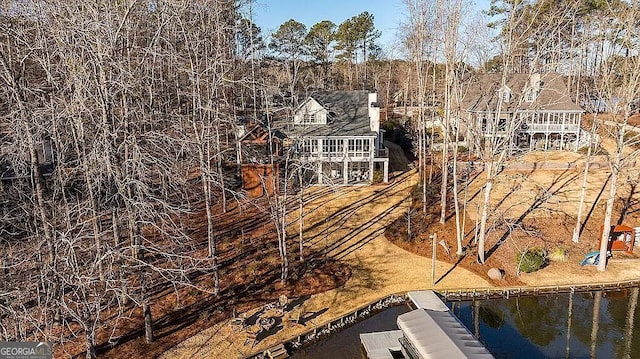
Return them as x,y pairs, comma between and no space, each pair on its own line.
278,351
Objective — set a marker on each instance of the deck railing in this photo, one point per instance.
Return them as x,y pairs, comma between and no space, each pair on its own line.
552,127
382,153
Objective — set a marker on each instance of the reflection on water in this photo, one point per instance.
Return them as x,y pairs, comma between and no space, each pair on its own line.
579,325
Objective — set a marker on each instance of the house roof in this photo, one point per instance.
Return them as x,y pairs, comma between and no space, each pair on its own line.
348,115
482,94
258,132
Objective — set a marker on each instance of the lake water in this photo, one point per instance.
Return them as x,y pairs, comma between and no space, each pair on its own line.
578,325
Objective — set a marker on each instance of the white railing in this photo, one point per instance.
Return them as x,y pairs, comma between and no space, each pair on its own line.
585,138
336,155
552,127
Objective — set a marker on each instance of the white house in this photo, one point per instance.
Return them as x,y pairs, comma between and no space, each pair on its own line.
339,131
534,110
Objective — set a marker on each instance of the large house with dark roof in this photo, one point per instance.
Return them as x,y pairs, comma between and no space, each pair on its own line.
534,111
339,133
334,135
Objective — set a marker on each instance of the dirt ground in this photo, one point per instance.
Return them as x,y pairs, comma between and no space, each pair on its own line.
347,224
351,225
250,277
534,209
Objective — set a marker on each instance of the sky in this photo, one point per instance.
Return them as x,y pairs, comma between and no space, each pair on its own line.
269,14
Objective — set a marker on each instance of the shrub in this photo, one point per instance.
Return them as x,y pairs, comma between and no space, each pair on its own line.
531,260
558,255
378,176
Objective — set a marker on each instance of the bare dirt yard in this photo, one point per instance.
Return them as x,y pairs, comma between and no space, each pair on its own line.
351,225
364,229
534,208
345,224
250,277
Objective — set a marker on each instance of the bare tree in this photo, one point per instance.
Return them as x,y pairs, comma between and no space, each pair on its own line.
618,85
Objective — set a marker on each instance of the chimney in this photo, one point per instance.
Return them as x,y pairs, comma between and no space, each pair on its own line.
374,112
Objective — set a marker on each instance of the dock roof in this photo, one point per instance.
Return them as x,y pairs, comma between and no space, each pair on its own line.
440,335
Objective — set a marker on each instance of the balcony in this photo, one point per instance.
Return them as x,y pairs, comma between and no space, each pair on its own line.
341,155
544,127
382,153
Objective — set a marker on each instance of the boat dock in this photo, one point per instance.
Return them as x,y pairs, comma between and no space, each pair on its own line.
427,299
431,331
382,345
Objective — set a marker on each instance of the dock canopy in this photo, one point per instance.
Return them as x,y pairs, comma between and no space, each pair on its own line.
439,335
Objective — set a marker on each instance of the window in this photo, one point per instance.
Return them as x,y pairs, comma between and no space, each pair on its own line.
332,146
531,95
484,124
358,147
502,124
311,113
309,118
309,146
506,95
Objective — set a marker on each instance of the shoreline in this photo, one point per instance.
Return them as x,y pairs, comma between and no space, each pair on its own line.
335,325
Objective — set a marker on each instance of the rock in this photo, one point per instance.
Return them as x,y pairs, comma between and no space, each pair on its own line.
495,274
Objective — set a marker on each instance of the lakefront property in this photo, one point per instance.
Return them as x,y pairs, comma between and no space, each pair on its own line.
217,179
339,133
530,111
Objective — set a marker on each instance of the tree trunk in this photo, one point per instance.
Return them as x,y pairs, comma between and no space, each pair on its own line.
282,205
613,188
219,162
148,320
445,153
459,229
583,189
91,343
300,213
78,139
485,212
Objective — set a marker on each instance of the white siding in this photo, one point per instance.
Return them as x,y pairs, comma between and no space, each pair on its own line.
311,112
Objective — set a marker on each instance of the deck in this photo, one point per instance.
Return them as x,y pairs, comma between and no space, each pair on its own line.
427,299
381,344
430,332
